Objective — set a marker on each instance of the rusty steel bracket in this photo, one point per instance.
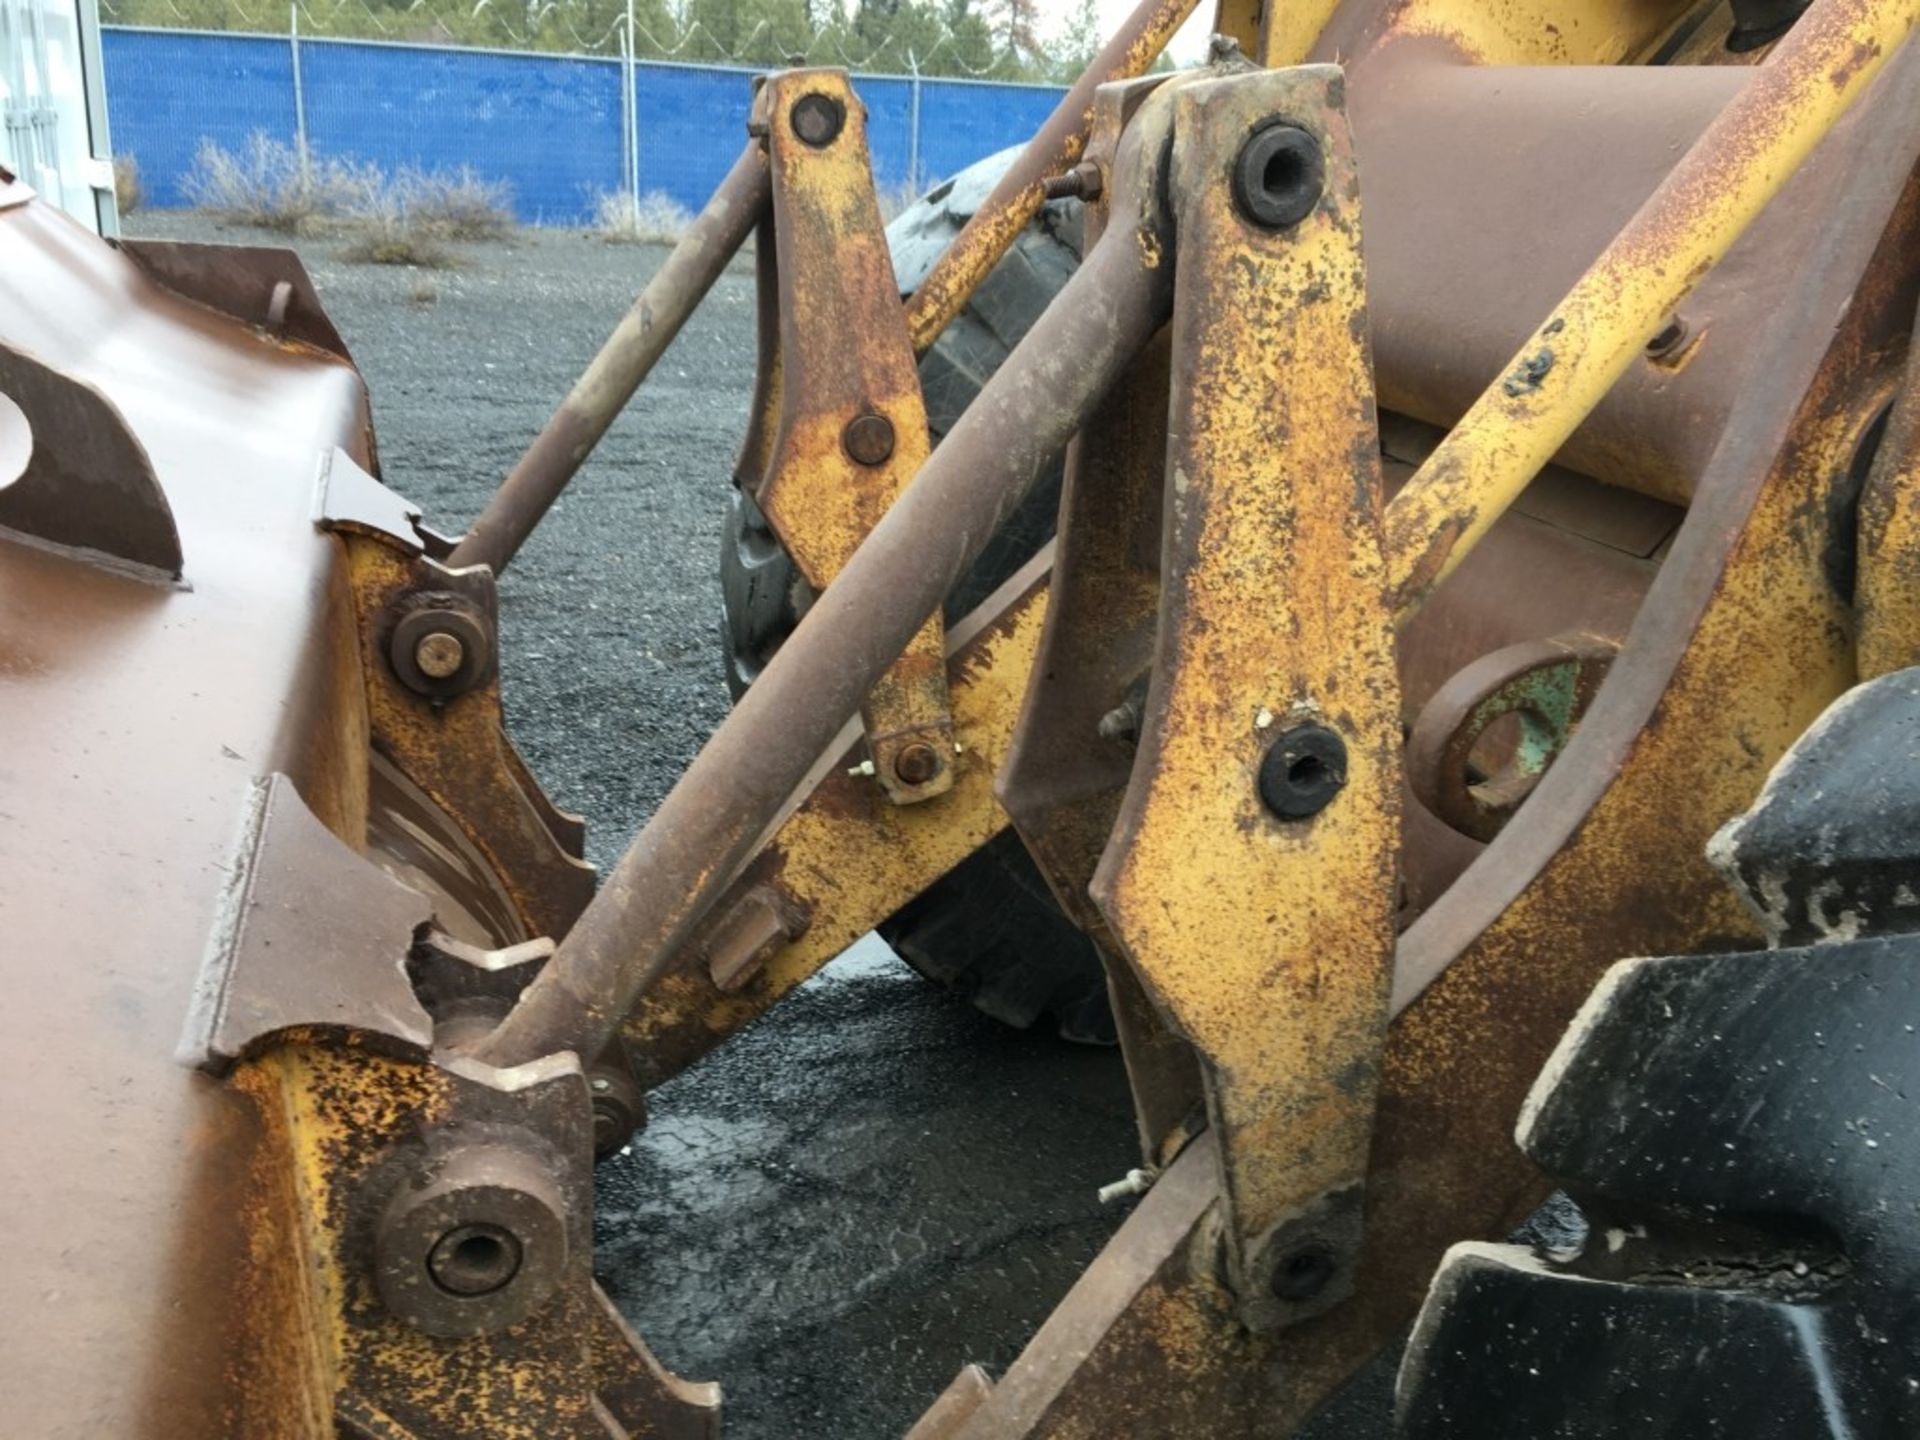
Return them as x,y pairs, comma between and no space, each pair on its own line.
1888,543
1477,781
1752,641
852,426
428,652
1270,738
421,1265
260,285
844,857
295,891
1072,752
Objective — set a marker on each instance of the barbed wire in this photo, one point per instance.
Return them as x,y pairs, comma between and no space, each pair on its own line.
323,22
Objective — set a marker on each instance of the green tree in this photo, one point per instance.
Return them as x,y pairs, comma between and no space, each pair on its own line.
1080,42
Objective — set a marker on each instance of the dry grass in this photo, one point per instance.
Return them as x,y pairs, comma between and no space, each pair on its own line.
658,219
407,218
128,193
274,186
457,204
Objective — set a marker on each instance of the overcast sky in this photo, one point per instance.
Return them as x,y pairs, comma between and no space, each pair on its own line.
1189,45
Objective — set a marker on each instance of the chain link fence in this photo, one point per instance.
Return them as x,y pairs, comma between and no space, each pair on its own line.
556,128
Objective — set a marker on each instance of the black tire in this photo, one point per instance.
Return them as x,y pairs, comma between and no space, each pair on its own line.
1738,1130
988,929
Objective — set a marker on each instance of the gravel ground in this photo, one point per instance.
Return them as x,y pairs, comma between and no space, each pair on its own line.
875,1185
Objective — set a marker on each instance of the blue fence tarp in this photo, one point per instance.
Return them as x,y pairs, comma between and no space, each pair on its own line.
547,125
166,92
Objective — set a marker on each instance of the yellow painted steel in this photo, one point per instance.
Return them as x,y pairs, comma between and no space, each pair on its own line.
1268,941
846,859
457,751
1541,32
845,360
1888,597
1062,141
1289,28
1688,224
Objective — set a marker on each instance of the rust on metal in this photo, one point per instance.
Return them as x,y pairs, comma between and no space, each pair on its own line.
846,858
748,935
263,286
84,482
1054,149
1270,742
1559,374
1476,780
295,891
438,1280
852,427
711,820
1746,643
630,353
1888,587
138,716
1071,755
446,735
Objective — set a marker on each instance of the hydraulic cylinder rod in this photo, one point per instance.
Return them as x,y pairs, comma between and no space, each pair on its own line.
1690,222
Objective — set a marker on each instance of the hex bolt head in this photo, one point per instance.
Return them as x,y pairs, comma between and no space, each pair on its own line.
916,764
1670,337
1279,175
1302,771
439,655
869,438
1304,1272
817,119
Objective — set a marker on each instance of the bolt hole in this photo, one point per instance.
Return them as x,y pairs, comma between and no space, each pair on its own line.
1285,172
1668,342
1302,771
474,1260
1278,175
1304,1273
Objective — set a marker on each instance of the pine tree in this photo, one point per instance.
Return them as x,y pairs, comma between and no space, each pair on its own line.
1079,44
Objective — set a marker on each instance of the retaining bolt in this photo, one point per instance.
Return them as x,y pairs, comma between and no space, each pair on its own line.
817,119
1279,175
869,438
916,764
439,655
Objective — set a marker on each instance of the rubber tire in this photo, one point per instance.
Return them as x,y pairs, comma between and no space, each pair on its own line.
988,929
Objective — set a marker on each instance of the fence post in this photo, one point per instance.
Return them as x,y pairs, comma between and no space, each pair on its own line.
630,120
299,92
913,125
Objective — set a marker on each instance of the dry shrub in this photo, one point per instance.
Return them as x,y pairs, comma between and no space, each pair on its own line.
384,229
407,218
273,186
457,204
658,219
128,193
